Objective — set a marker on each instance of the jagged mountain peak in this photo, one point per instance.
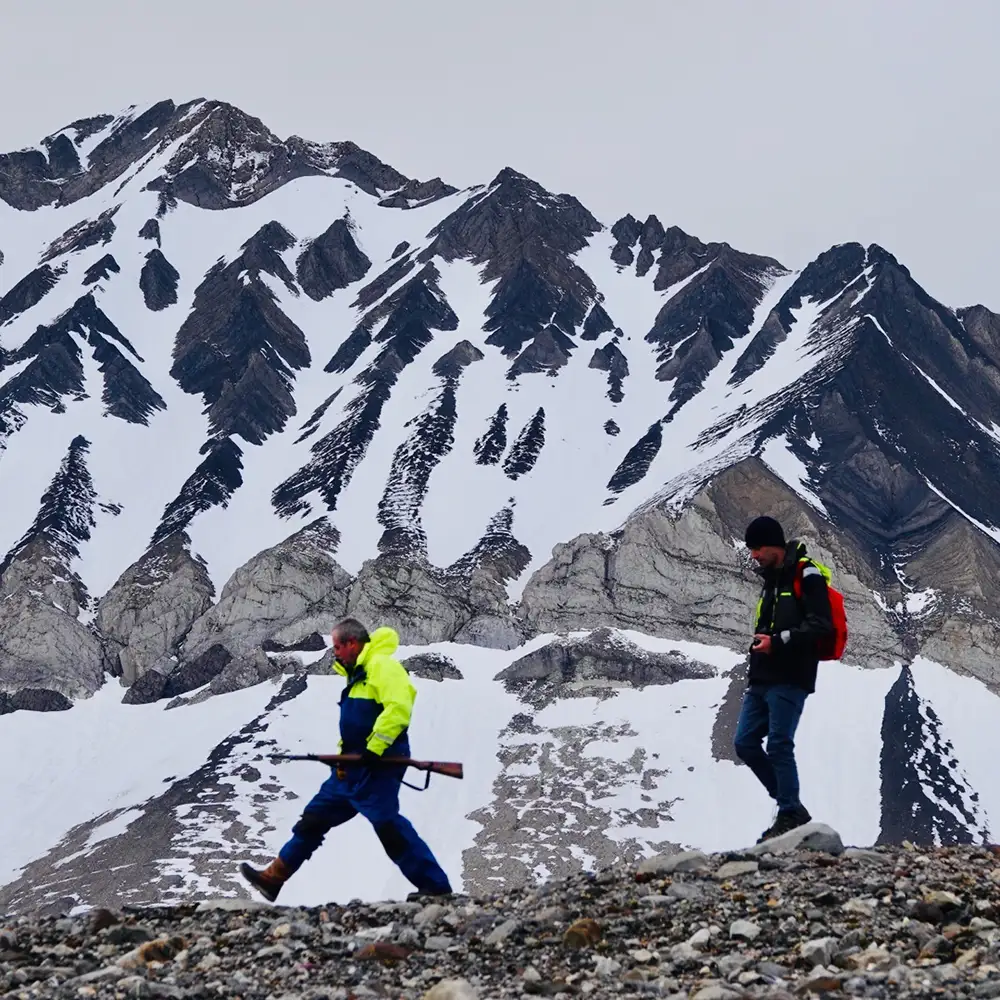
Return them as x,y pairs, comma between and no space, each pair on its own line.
222,156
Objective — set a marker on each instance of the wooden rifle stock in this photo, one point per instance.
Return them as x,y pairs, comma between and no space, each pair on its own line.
450,769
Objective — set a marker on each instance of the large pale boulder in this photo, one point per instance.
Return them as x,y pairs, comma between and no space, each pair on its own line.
427,604
43,647
284,593
687,575
153,605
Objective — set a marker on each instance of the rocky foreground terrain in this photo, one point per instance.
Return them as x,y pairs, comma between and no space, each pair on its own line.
798,916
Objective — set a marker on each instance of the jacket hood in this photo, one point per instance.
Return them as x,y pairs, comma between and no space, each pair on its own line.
383,641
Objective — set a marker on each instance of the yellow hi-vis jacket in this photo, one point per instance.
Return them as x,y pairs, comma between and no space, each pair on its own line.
377,701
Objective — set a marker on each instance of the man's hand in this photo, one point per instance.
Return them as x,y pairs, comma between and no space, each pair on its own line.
761,643
369,758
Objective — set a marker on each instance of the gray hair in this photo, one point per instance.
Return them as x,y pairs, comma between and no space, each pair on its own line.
351,628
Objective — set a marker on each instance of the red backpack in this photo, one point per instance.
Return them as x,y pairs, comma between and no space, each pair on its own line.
830,647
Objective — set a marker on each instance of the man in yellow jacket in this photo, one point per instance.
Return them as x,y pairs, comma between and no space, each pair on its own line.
375,709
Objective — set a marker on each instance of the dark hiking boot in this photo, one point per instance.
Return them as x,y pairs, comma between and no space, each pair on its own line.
768,832
269,881
786,822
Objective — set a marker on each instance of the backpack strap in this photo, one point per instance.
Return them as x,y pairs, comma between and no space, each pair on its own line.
803,568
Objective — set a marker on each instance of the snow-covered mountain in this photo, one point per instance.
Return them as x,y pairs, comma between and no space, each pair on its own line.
249,385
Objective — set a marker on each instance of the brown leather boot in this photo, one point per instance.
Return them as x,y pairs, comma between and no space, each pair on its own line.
269,881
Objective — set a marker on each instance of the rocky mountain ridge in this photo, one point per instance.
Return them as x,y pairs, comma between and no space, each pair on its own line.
883,483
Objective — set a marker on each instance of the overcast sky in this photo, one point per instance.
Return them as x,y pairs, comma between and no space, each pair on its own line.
780,126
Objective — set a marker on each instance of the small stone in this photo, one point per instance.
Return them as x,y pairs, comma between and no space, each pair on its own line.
439,942
685,890
730,965
451,989
858,906
233,905
500,934
734,869
604,965
819,951
860,854
700,938
664,864
531,975
642,955
430,914
716,991
946,900
937,947
209,962
273,951
102,918
745,929
771,970
685,953
967,959
159,950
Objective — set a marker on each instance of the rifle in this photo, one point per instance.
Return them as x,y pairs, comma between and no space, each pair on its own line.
449,769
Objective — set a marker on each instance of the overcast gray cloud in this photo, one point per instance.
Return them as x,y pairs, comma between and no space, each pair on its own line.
780,126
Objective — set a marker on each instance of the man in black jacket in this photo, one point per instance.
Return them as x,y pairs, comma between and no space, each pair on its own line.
783,664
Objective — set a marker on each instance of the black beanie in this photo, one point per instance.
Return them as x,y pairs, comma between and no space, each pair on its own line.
764,531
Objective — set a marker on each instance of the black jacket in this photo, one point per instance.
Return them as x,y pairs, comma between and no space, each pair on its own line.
794,625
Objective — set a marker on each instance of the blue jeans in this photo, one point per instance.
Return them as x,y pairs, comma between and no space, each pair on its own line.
375,795
772,710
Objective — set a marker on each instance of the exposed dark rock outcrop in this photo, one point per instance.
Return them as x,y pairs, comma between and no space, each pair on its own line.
413,194
525,450
236,348
433,667
42,560
54,369
29,291
411,314
924,793
102,270
525,237
330,262
611,360
158,281
151,231
594,666
34,700
428,442
88,233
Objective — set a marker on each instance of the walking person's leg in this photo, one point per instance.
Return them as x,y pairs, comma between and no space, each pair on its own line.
328,808
378,802
752,727
785,705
